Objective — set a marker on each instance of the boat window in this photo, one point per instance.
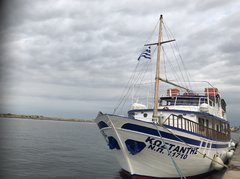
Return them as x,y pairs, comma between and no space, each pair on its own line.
131,115
145,115
226,128
189,102
212,100
207,123
166,102
201,124
181,101
223,104
218,100
203,100
210,103
221,127
163,103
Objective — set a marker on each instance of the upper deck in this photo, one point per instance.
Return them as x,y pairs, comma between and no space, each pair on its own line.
211,105
207,102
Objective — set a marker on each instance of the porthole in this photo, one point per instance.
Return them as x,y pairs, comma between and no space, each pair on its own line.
145,115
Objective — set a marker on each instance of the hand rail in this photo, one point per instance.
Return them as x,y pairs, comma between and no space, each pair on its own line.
178,121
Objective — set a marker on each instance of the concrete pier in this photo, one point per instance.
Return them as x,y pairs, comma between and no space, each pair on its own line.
233,172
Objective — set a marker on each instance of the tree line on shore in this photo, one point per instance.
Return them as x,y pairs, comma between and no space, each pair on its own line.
40,117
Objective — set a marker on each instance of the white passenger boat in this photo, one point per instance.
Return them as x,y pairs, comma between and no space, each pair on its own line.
184,134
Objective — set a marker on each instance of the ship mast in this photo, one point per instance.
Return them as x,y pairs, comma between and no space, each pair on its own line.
157,76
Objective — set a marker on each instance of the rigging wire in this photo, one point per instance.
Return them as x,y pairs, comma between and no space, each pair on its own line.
164,66
126,90
138,80
170,34
141,79
169,154
144,74
176,76
146,68
179,54
132,87
123,95
138,76
154,29
179,68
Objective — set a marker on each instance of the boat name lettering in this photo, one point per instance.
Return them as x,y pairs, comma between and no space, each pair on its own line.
174,150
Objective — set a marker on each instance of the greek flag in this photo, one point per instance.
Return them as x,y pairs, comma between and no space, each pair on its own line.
146,53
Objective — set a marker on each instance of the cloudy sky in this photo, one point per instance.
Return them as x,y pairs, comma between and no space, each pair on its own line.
72,58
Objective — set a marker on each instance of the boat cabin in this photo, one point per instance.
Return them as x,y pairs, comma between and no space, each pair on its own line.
209,102
200,114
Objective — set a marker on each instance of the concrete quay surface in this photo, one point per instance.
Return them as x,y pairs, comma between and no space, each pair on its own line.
233,171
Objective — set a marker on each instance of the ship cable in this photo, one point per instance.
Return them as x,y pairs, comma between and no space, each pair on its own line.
169,154
175,46
204,155
127,89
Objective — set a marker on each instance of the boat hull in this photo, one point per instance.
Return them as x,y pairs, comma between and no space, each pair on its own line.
144,149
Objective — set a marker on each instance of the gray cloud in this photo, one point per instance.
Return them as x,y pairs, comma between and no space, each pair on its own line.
74,57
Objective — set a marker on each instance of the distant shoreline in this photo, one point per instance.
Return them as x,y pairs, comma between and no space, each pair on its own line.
40,117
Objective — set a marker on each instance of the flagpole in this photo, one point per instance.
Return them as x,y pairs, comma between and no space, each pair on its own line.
157,76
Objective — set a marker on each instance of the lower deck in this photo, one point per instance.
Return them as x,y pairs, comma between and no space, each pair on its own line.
198,123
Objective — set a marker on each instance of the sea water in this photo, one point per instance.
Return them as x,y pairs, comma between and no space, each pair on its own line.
56,149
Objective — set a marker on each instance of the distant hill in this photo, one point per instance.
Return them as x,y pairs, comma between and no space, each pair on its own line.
40,117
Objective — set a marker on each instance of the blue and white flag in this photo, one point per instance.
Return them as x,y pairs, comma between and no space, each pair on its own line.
146,53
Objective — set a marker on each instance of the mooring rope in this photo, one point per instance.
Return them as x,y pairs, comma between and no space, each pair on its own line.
173,161
192,148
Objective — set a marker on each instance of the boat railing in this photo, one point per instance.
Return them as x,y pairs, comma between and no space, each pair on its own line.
189,102
184,101
179,122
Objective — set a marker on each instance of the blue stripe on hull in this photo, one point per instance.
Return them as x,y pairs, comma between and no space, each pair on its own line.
146,130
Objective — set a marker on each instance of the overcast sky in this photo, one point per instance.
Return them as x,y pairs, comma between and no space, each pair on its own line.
72,58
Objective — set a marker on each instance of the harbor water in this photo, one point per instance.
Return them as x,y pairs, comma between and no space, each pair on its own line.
53,149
